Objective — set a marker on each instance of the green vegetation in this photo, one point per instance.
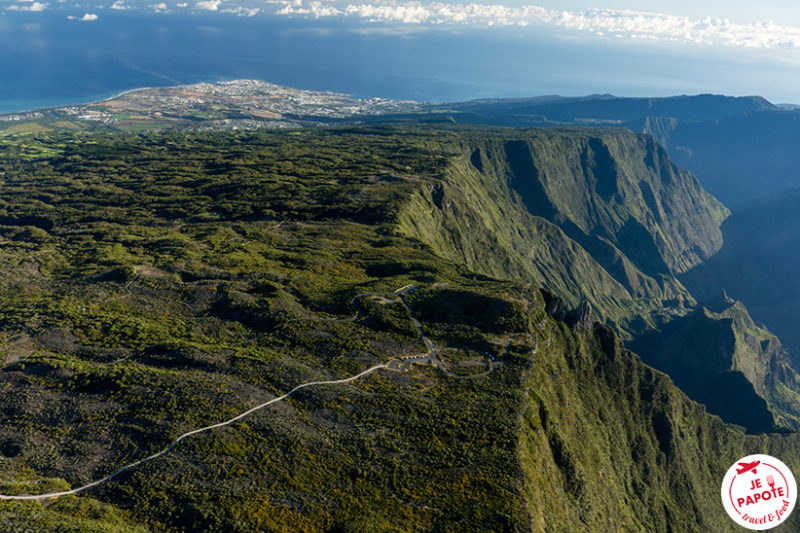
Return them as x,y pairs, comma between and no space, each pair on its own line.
162,283
591,214
722,359
609,444
68,515
26,128
158,283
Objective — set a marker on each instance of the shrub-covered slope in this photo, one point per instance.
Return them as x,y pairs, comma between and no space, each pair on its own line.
155,284
609,444
592,214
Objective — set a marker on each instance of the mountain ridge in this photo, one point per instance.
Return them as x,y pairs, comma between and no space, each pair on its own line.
158,282
570,235
528,176
708,134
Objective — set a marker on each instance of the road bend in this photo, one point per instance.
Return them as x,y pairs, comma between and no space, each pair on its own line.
432,355
186,435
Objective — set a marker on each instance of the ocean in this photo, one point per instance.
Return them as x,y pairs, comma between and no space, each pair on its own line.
47,60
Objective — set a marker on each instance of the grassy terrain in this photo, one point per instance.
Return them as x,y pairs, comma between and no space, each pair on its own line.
158,284
154,284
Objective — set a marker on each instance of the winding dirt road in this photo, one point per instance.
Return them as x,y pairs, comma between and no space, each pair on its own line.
404,364
185,435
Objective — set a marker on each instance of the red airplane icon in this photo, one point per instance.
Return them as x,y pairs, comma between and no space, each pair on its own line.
746,467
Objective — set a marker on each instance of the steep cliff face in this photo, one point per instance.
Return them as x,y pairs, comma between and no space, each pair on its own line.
721,358
595,214
610,444
603,216
615,187
758,265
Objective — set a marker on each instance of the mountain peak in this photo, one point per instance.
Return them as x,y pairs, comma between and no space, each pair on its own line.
721,302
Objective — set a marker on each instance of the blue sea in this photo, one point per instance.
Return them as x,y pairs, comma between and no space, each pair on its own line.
47,60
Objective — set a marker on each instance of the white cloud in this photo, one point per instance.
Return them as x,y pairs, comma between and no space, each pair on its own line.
289,9
182,4
602,22
242,11
407,14
672,27
413,12
322,10
87,17
119,4
158,7
208,5
34,6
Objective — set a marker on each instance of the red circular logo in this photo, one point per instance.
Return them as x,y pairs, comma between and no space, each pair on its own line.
759,492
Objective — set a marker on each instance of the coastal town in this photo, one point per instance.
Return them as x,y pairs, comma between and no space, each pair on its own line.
239,104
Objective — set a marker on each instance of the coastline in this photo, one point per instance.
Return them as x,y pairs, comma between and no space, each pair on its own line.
96,99
127,91
77,101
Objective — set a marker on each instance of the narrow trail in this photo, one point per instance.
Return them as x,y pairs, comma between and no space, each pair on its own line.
354,302
131,282
402,364
188,434
433,351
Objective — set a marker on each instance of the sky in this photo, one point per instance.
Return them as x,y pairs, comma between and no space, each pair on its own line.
765,24
635,48
785,11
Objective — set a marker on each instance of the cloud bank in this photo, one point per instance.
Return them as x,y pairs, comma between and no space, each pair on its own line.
613,23
622,23
34,6
208,5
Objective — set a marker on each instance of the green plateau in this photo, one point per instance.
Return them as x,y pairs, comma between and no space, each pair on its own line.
156,283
